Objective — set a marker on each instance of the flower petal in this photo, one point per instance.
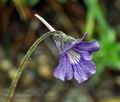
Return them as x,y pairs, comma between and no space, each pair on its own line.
88,46
73,56
83,70
84,54
64,70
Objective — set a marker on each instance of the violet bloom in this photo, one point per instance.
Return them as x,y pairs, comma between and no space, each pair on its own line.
75,59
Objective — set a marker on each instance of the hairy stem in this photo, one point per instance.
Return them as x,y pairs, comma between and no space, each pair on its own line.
24,63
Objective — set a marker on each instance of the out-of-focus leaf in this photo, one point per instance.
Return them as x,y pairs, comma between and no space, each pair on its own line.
90,22
110,50
62,1
109,54
32,2
115,57
93,5
19,2
118,29
108,37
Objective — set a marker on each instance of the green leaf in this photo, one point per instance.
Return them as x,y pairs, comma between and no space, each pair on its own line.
62,1
32,2
90,23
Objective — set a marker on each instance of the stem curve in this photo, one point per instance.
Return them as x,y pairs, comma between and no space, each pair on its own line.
23,64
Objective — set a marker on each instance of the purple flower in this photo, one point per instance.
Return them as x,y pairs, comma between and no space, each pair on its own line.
75,59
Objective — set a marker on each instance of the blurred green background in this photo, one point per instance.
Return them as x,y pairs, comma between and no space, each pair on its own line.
19,29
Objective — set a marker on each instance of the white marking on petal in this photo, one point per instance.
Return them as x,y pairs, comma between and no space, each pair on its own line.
73,56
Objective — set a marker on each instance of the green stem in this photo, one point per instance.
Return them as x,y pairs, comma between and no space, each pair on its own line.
23,64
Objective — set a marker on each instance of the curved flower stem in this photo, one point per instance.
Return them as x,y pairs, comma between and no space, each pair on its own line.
45,22
23,64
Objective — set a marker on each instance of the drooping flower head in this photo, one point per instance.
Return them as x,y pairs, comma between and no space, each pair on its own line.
75,60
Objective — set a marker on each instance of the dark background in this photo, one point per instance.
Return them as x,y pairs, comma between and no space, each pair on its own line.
19,29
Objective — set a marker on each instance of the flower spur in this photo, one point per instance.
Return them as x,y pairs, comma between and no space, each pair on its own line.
75,56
